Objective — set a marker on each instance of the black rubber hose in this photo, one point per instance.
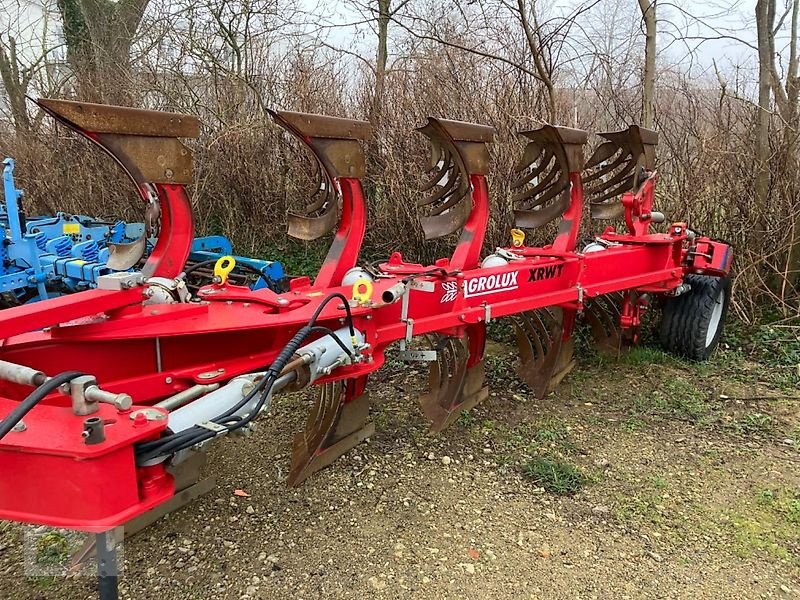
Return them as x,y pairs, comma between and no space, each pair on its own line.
185,439
330,332
15,416
325,302
195,435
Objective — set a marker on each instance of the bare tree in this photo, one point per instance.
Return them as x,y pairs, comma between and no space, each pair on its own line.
99,35
648,8
765,20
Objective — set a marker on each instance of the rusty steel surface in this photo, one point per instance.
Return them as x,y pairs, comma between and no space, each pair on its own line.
454,386
103,118
458,150
144,142
337,422
545,356
336,145
618,166
543,184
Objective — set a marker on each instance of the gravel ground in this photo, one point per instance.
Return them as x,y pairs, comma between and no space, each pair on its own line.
695,498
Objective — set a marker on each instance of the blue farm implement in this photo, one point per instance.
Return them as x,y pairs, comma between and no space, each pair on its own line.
46,256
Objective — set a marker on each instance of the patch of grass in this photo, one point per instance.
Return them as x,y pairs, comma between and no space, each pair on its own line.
466,419
499,366
658,482
677,398
52,548
767,526
766,497
647,355
754,423
758,533
645,507
546,436
782,504
45,581
632,424
791,510
555,476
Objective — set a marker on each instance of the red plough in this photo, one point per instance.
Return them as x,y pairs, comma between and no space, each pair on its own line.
108,398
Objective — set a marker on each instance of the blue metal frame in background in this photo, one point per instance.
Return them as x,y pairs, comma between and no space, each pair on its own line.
45,256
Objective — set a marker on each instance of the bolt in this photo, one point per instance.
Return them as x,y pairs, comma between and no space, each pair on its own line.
168,380
169,173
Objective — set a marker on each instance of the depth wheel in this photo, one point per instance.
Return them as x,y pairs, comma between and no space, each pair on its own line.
692,323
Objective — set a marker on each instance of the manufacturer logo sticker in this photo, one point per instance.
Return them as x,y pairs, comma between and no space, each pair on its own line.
490,284
450,291
549,272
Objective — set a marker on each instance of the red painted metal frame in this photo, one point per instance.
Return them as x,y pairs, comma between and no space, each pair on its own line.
346,245
153,351
467,254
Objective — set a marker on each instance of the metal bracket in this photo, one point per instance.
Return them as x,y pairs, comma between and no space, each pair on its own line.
507,254
418,355
215,427
151,414
119,281
487,312
409,329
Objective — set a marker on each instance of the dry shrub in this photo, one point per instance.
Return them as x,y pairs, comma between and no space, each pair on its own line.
248,173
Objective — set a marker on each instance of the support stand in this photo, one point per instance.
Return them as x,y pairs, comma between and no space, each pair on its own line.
107,573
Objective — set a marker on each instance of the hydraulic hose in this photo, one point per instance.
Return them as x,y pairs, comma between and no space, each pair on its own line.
171,444
36,396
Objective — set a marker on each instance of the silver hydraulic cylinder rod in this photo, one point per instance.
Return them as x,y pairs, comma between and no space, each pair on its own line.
187,395
21,374
321,356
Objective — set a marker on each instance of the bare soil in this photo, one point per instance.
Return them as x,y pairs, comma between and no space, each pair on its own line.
692,490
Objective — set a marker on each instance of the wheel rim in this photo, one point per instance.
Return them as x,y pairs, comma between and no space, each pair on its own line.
716,318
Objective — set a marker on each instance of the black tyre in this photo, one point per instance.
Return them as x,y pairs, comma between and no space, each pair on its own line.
692,323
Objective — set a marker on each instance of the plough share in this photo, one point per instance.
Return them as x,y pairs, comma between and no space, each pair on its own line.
110,395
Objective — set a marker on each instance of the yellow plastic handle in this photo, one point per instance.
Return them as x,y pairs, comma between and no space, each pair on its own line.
517,238
362,290
223,268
